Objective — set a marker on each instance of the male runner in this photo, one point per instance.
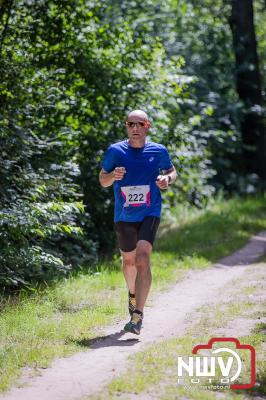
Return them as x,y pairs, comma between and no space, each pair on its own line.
138,169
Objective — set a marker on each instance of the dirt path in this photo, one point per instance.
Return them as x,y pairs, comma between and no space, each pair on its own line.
86,372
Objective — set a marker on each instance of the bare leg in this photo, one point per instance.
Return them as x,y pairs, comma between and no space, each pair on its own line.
144,277
129,269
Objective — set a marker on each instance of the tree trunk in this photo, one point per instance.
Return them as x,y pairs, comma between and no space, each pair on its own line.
249,86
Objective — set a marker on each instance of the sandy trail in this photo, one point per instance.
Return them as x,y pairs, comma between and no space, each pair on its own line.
87,372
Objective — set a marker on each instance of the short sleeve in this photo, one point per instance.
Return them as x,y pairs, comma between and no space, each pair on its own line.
165,159
109,160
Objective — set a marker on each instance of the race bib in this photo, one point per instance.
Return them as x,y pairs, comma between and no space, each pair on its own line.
136,195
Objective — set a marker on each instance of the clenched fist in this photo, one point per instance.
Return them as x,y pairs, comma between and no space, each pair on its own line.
119,173
162,181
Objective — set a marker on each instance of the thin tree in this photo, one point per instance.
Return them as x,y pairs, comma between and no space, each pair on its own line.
248,85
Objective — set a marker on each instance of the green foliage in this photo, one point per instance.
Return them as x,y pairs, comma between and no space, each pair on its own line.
71,71
41,235
206,123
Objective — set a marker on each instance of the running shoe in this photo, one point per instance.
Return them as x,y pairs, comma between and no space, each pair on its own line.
131,304
134,325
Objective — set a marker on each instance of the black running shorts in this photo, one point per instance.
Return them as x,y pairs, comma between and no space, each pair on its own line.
129,233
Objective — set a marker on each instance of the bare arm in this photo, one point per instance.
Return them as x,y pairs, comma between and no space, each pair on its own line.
107,178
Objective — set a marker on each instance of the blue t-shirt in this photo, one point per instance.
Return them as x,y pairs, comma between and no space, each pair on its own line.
136,195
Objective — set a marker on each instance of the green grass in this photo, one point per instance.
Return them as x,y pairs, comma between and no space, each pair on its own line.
34,329
56,322
215,231
153,372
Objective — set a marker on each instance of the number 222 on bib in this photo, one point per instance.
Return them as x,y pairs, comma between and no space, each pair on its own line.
136,195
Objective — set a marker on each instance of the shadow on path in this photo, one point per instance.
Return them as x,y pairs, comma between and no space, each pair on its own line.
107,341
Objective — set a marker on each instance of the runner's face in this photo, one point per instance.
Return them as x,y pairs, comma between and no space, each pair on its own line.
137,129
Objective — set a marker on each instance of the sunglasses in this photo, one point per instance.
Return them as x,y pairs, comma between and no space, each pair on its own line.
137,124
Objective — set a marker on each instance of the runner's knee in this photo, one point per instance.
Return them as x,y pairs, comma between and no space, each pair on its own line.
142,260
128,260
